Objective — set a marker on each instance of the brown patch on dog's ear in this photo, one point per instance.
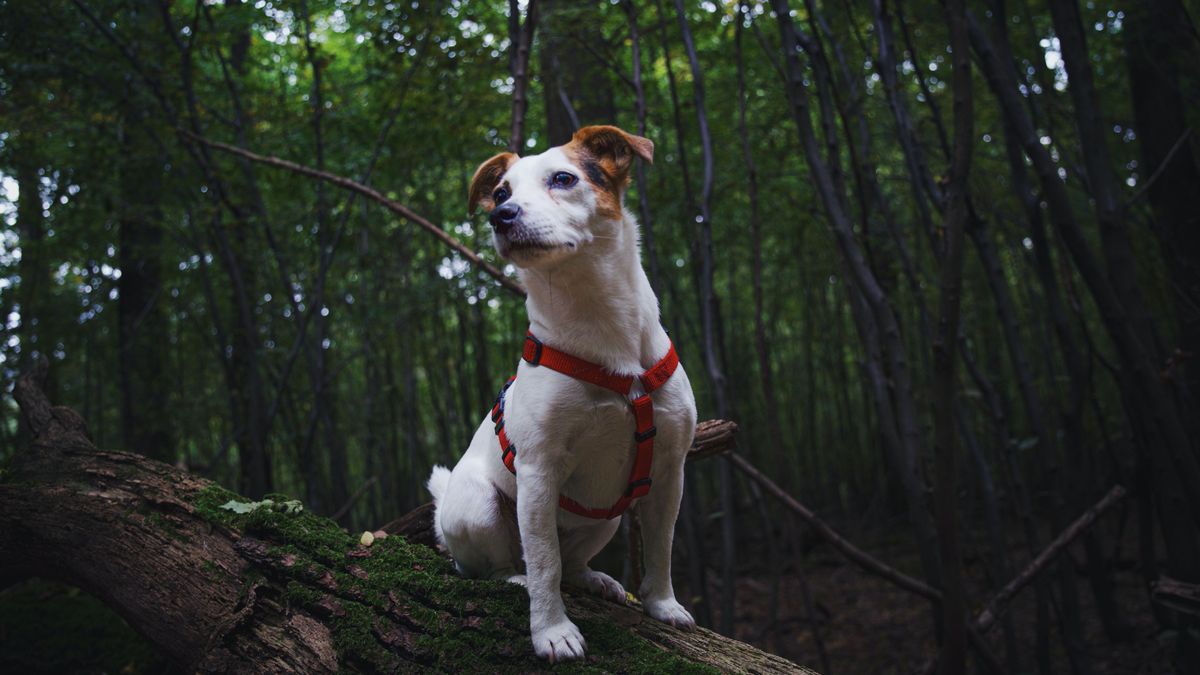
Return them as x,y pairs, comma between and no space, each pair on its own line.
486,177
605,153
613,149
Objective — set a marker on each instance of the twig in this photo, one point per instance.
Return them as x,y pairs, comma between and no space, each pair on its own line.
372,194
996,607
1177,595
853,553
1161,167
999,602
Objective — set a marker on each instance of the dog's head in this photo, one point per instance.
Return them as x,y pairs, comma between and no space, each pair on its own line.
543,208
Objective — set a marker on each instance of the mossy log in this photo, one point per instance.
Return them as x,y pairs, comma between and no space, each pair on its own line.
278,589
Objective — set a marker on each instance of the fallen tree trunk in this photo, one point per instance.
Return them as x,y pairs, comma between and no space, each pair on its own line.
219,584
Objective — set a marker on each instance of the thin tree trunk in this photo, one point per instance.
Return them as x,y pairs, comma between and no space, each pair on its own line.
142,320
1101,181
709,322
693,525
646,221
761,345
324,402
952,658
521,36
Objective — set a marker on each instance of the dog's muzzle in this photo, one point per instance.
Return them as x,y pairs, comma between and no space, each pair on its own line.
504,217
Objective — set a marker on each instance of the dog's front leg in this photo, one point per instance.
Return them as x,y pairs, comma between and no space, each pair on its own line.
555,637
658,511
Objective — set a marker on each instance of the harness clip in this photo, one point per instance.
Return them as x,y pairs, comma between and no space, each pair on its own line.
537,350
638,488
643,436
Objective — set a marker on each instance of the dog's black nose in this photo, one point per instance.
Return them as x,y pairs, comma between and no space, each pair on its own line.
503,217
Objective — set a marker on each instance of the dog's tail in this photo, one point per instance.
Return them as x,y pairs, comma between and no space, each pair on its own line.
439,480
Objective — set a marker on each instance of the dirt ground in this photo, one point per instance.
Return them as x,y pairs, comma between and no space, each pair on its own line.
867,625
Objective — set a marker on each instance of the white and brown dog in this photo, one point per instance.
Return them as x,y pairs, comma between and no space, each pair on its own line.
559,435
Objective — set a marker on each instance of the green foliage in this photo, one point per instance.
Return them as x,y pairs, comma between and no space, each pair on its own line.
359,348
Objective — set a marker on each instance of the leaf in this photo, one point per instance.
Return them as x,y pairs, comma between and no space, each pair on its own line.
239,507
1027,443
293,506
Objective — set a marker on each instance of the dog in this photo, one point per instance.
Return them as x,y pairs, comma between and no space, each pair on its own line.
560,218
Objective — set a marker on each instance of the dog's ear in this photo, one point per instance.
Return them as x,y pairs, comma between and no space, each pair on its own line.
613,149
487,176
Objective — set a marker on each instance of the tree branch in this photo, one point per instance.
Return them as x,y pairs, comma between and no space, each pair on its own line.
999,602
372,194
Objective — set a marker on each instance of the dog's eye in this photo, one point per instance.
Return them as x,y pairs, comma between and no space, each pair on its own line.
500,195
563,179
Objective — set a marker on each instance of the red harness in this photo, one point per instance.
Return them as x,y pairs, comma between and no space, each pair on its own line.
538,354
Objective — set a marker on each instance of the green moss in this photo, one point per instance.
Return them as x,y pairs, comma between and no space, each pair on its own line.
623,655
208,505
47,627
397,602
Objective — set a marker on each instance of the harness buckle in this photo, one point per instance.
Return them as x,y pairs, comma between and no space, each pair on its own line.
638,488
537,349
643,436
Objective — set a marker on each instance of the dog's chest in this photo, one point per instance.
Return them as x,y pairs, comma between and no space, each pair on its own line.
604,449
592,430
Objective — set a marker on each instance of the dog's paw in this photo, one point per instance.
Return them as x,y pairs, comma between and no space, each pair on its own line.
560,642
518,579
670,611
599,583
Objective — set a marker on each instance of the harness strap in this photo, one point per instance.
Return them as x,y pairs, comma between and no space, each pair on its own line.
539,354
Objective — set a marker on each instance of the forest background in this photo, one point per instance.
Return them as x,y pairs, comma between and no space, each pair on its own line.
950,302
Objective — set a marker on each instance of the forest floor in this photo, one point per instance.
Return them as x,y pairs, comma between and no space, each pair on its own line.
870,626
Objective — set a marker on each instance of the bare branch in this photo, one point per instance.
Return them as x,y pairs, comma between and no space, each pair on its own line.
999,603
374,195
